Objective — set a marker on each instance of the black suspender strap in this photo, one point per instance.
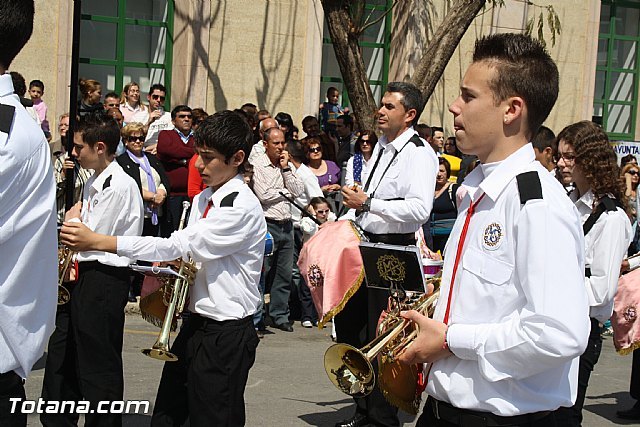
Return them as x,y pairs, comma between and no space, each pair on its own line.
375,166
606,203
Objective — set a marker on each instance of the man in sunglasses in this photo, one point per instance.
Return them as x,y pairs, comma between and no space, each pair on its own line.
158,118
175,149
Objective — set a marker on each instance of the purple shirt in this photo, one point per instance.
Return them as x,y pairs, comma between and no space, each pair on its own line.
331,177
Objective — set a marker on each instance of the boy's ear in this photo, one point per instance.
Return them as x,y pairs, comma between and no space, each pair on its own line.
101,147
238,158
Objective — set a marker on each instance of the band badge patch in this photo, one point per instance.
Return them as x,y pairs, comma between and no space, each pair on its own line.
630,313
316,277
492,236
390,268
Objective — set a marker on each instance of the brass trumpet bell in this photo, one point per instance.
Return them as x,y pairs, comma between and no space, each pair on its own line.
349,370
160,353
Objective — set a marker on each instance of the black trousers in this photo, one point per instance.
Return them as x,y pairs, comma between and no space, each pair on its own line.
11,386
573,416
206,385
429,419
84,359
356,325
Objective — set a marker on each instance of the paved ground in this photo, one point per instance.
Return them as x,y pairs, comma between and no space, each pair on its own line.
288,386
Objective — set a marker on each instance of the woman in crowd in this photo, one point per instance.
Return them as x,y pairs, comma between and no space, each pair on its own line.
286,125
91,92
132,108
327,172
358,165
631,177
453,156
586,158
629,158
445,210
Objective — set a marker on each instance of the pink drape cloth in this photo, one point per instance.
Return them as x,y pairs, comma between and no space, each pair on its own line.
625,323
331,265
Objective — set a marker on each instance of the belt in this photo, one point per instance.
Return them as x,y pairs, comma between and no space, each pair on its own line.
392,238
469,418
279,221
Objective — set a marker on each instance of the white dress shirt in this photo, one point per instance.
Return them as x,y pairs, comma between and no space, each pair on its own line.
311,190
605,247
411,177
116,210
256,152
28,242
229,243
519,313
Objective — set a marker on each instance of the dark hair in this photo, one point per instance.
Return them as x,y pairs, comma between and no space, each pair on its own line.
36,83
457,152
435,129
295,150
347,120
178,109
307,119
227,133
543,139
157,86
331,90
308,141
198,115
99,126
286,120
447,165
627,159
412,98
252,113
16,26
112,95
315,201
19,84
424,131
523,68
595,158
373,139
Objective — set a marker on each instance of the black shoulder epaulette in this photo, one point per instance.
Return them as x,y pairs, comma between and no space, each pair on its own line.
227,201
529,186
6,117
107,182
416,140
605,203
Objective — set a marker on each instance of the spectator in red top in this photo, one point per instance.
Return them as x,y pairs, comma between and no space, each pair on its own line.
175,149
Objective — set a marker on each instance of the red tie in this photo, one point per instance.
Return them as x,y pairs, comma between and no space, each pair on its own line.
206,211
463,237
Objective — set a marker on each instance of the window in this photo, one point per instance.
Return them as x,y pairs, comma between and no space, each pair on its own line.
127,40
615,101
375,45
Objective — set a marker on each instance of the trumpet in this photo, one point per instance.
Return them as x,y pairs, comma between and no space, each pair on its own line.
350,369
65,256
174,295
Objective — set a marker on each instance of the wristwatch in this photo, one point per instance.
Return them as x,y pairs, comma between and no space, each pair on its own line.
366,205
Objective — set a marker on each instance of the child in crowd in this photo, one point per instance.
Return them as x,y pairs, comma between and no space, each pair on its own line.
330,111
320,209
36,91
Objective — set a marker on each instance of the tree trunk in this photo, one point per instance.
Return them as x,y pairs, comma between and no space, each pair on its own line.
443,44
345,43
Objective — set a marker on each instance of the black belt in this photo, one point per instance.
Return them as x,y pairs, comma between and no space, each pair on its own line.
281,222
392,238
469,418
200,321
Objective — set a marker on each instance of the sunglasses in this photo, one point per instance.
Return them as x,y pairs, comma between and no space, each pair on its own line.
365,142
324,211
158,97
315,150
633,172
184,116
136,139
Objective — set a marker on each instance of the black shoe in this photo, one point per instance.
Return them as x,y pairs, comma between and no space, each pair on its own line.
358,420
284,327
260,333
630,414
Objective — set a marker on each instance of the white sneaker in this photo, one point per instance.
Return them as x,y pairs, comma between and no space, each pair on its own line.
307,324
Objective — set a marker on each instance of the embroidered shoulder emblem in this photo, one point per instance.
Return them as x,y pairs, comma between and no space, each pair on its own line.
316,277
492,236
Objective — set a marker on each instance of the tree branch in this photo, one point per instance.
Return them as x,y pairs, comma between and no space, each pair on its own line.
380,18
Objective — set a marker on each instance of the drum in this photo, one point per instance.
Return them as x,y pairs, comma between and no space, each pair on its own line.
268,244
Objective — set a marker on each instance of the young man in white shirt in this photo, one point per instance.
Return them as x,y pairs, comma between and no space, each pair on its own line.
586,158
511,319
27,225
225,235
156,118
84,360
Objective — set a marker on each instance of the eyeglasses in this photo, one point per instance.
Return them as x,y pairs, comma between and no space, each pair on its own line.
365,142
567,157
632,172
158,97
135,139
324,211
315,150
184,116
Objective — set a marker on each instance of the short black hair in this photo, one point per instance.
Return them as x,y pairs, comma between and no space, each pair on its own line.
99,126
412,98
157,86
295,150
424,130
19,84
435,129
178,109
331,90
523,68
227,133
16,27
447,165
347,120
112,95
36,83
544,138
